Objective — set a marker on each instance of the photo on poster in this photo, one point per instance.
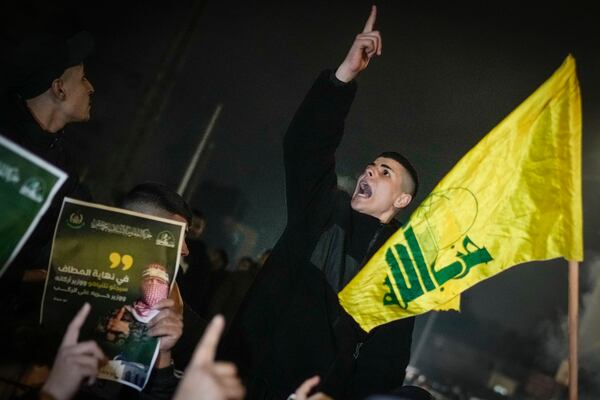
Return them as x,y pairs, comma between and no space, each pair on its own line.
122,263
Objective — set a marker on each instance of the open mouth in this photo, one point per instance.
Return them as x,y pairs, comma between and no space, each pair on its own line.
364,190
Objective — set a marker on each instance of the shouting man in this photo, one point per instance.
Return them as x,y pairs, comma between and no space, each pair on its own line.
291,325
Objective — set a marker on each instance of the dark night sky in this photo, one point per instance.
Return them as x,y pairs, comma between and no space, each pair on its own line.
448,75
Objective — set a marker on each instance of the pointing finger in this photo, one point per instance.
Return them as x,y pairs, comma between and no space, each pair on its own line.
206,349
371,21
120,314
72,334
306,387
86,349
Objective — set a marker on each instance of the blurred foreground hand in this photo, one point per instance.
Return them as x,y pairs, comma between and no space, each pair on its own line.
74,361
205,378
304,389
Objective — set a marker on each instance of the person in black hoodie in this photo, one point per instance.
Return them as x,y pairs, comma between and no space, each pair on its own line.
46,90
291,325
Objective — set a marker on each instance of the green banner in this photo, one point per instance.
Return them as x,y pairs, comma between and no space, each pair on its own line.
27,186
122,263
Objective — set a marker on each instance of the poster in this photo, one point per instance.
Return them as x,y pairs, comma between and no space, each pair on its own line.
27,186
122,263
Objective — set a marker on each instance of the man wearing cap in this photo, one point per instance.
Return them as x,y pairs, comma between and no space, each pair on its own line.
48,89
291,325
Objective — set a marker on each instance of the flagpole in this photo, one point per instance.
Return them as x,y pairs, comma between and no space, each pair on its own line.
573,327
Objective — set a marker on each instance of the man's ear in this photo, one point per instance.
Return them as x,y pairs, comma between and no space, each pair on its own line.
403,200
57,89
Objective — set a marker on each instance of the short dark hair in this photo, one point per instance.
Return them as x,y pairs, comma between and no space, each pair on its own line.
157,195
407,165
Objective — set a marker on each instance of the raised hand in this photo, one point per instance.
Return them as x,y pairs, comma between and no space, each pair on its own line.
205,378
74,361
117,325
304,389
366,45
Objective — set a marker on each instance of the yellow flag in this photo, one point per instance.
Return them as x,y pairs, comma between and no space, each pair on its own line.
513,198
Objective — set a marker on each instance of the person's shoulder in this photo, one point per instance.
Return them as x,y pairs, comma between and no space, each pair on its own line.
395,328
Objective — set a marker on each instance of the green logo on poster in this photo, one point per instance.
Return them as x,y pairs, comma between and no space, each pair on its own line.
165,238
8,173
75,220
34,189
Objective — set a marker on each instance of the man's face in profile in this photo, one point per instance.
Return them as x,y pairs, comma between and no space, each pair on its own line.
77,103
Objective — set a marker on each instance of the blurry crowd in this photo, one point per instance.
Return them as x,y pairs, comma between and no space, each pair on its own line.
210,282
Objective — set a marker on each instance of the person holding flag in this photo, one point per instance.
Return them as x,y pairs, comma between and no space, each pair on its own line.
291,326
513,198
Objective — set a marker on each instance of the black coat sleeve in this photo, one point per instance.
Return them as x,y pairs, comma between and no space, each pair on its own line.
382,360
310,144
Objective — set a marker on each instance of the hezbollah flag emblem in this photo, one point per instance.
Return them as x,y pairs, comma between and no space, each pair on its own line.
513,198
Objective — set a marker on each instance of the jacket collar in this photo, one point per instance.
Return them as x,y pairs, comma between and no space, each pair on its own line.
24,129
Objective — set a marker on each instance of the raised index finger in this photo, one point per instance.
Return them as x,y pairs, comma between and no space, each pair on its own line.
371,21
206,349
306,387
72,333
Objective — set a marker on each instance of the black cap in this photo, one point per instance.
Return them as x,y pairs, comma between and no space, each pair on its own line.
40,59
406,164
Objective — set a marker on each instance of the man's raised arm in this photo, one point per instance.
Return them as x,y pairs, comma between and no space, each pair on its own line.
318,126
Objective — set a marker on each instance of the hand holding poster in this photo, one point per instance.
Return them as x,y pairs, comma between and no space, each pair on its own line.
27,186
122,263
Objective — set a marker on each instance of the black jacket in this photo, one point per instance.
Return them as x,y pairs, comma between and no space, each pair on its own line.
20,302
18,125
291,325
